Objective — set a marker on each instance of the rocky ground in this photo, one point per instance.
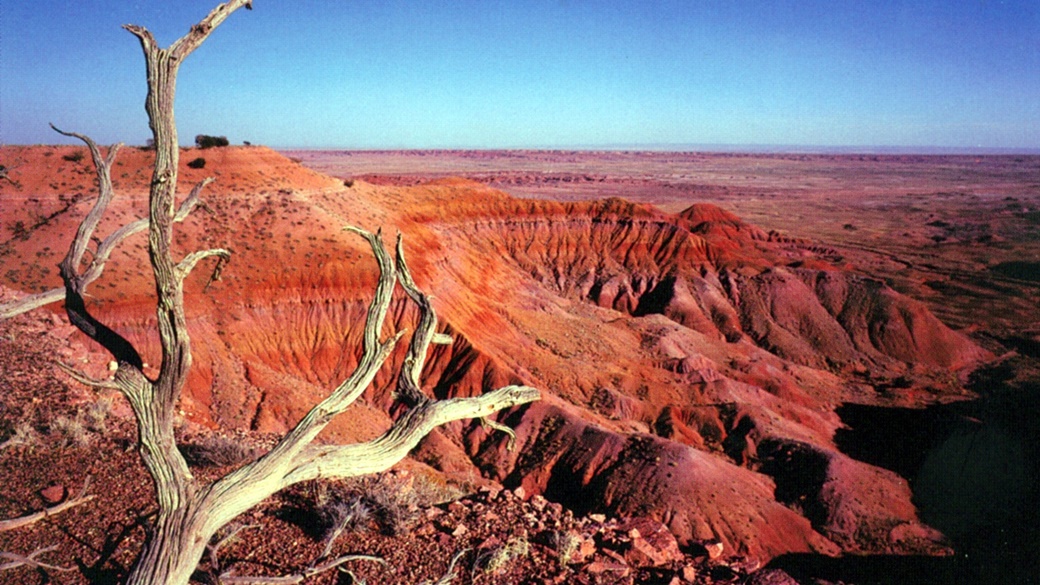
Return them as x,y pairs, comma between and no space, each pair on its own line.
62,442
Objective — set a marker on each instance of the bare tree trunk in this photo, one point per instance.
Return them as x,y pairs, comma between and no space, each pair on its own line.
173,549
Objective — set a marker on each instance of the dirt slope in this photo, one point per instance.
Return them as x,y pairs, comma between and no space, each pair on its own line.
690,360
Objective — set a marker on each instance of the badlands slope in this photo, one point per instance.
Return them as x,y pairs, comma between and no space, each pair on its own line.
692,363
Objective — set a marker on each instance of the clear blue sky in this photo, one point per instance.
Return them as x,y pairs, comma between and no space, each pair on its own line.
541,73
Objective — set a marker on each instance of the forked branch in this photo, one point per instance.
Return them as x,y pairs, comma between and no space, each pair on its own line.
295,459
408,389
15,560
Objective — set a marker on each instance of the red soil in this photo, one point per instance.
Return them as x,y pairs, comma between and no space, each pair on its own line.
683,356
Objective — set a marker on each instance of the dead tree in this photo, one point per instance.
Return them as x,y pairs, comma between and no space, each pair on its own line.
191,511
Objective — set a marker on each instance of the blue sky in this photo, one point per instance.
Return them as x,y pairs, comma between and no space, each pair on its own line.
542,73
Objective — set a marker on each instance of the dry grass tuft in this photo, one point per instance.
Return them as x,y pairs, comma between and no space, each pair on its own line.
218,451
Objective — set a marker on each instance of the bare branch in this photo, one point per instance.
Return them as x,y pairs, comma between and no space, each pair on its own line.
188,263
408,382
182,47
19,522
487,422
29,560
191,511
85,379
310,571
384,451
450,574
103,168
5,174
31,302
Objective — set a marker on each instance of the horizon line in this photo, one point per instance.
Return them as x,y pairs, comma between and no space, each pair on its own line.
701,147
693,147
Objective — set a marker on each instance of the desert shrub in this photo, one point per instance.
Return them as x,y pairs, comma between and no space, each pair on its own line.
382,503
21,434
348,183
338,516
95,414
18,230
566,544
69,431
74,157
217,451
198,163
207,141
495,560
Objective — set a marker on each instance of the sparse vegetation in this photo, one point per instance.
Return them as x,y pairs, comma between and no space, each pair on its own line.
70,431
197,163
74,156
22,434
217,451
497,559
566,544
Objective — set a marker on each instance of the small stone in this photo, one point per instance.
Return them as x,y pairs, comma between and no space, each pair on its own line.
599,518
54,494
642,554
714,548
113,366
459,530
490,492
689,573
520,493
600,567
425,530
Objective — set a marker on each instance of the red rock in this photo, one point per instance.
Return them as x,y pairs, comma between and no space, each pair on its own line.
601,567
54,494
715,549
